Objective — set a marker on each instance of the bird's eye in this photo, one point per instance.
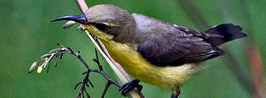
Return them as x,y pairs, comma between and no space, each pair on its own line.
100,26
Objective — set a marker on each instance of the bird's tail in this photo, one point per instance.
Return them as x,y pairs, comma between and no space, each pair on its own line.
227,32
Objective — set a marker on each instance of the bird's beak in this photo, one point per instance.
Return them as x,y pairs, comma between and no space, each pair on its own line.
77,18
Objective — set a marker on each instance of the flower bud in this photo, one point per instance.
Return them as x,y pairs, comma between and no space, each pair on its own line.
33,67
39,70
69,24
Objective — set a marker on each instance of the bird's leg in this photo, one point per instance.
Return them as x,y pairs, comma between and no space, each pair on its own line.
175,92
129,86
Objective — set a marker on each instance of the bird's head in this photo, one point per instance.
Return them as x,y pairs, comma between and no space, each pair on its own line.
107,22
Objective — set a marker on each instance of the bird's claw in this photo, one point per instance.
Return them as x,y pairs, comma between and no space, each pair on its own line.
129,86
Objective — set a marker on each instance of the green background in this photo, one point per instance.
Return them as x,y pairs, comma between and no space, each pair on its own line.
26,33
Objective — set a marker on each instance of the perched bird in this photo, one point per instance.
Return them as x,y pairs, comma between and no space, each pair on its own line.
151,50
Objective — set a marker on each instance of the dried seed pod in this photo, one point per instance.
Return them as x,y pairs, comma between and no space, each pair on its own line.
33,67
69,24
39,70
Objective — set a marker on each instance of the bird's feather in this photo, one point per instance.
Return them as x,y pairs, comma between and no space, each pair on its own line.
172,45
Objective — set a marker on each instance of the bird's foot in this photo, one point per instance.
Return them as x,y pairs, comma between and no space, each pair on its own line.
175,92
129,86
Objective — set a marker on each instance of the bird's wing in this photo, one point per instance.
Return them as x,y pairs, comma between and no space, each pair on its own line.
176,47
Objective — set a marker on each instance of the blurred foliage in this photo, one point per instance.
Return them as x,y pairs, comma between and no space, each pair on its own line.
26,34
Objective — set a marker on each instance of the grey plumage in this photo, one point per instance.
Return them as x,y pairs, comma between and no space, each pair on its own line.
165,44
160,42
131,37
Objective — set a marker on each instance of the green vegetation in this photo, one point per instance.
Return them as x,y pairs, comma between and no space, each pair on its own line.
26,33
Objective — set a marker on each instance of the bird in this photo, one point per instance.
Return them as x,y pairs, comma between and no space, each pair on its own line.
151,50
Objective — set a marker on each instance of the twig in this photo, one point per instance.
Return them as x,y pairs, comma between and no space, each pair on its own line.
100,47
120,73
86,80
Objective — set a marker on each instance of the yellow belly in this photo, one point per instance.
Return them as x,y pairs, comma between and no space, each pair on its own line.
138,67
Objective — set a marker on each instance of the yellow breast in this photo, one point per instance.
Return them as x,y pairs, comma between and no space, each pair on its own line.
138,67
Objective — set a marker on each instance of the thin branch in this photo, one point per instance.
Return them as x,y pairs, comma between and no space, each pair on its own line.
105,89
82,5
83,8
84,83
120,73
